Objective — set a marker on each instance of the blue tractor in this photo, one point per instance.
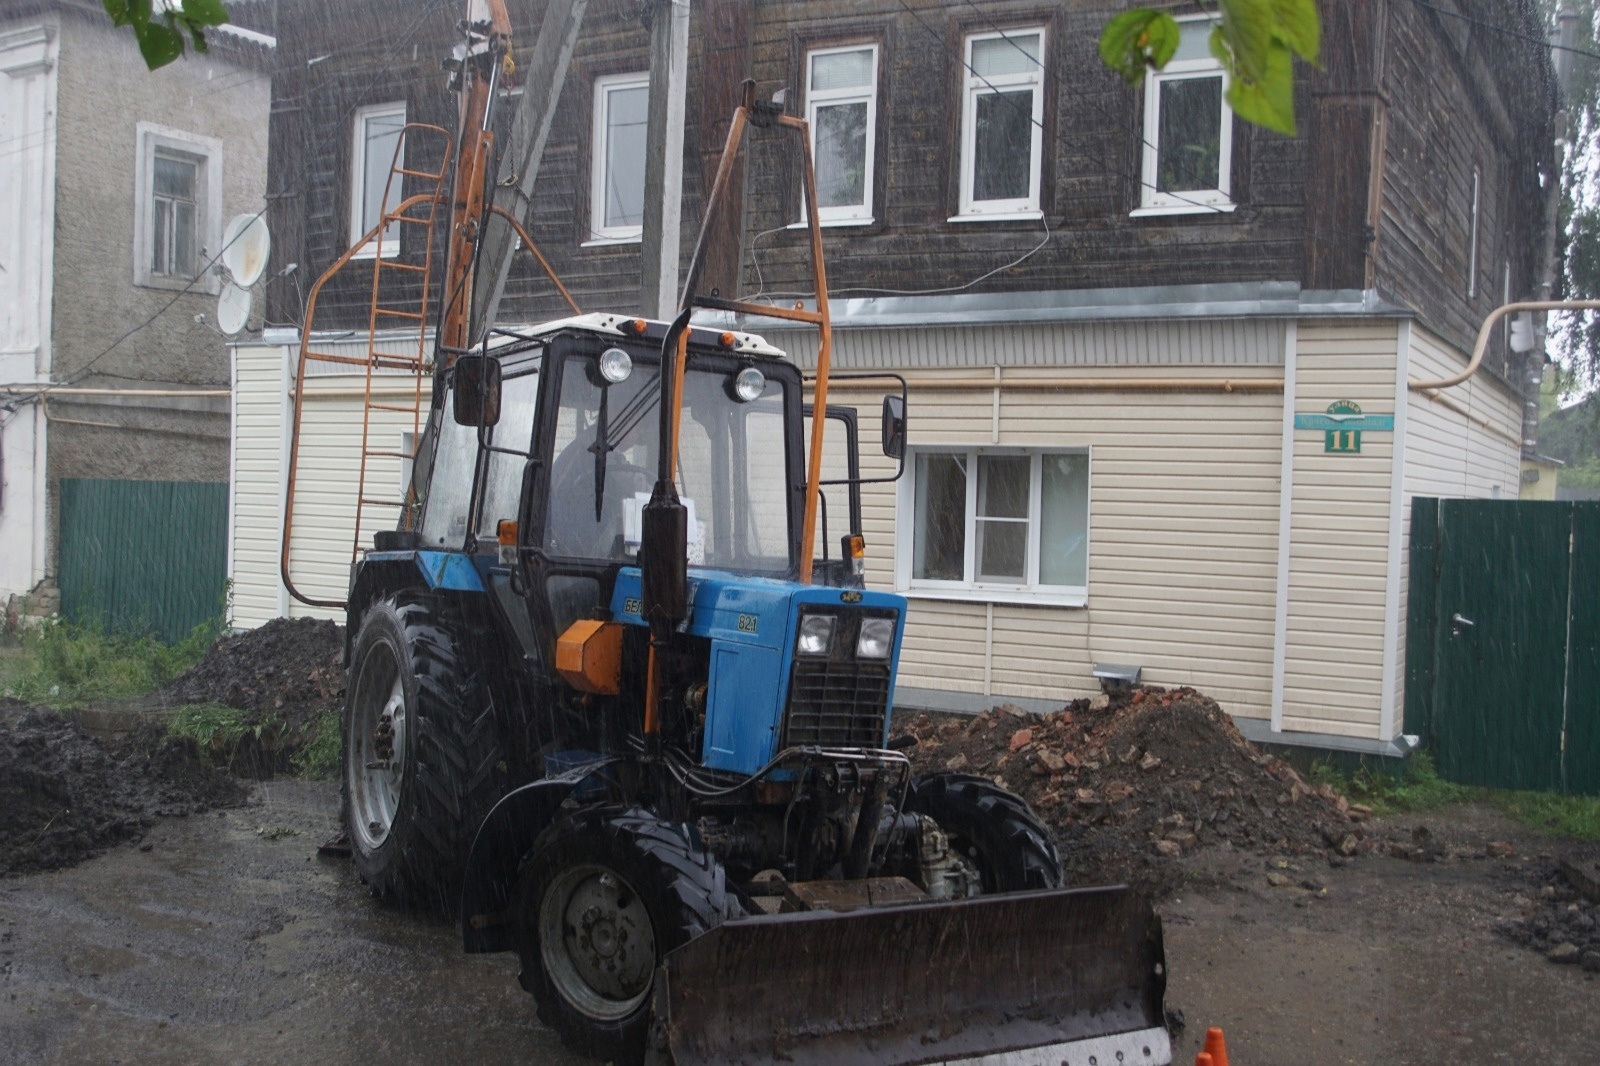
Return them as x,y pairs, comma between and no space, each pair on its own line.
610,701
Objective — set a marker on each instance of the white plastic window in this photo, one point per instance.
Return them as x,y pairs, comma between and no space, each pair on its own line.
621,105
841,108
1002,124
376,147
1000,524
1188,130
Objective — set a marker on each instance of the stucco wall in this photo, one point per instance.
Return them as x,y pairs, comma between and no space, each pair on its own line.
104,92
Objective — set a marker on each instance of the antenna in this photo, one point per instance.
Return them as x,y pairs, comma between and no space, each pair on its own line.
246,243
233,309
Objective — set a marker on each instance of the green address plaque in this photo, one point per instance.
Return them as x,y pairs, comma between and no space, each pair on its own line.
1342,425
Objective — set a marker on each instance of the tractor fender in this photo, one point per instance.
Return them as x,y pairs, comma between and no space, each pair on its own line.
382,573
489,887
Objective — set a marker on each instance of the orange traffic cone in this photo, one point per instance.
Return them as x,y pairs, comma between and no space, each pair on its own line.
1203,1059
1216,1047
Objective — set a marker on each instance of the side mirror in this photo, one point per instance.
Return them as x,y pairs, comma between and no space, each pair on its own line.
477,390
894,427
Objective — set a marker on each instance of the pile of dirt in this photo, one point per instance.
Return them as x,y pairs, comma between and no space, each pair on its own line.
285,667
67,796
1130,785
1561,912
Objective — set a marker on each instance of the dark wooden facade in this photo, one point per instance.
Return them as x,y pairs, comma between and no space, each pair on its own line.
1375,193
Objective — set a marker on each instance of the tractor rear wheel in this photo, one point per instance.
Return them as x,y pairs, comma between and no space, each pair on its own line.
993,829
604,896
422,758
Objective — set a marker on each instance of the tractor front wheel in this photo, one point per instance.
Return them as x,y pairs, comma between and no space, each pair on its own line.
993,829
422,759
604,896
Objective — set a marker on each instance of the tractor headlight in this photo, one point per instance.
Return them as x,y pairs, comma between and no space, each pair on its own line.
816,634
876,639
615,365
749,384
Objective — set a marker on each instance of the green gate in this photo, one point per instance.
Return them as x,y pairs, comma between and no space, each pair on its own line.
1503,641
143,556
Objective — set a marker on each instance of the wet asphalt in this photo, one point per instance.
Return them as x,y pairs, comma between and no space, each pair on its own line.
230,941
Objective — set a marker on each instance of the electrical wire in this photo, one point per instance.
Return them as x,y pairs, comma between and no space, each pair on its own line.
84,370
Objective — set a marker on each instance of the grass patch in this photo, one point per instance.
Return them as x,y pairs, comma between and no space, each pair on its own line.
319,755
1419,788
1574,817
220,731
58,664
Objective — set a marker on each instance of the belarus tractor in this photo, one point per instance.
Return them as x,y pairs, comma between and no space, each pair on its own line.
599,701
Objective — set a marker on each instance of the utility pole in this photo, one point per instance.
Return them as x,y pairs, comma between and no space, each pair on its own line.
663,169
519,166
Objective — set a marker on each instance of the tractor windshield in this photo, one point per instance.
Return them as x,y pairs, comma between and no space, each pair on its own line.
732,470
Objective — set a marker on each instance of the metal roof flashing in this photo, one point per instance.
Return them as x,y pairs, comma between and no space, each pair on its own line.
1263,299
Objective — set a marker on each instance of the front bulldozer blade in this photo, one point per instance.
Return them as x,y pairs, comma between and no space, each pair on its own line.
1070,976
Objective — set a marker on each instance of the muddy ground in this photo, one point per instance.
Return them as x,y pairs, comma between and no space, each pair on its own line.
230,941
154,910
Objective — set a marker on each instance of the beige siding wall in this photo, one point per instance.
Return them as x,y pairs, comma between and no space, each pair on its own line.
258,412
326,482
1339,535
1474,453
1183,537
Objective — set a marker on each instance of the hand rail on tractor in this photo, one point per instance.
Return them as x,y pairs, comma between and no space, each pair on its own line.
752,112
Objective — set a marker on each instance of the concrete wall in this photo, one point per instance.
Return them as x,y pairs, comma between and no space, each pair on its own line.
104,93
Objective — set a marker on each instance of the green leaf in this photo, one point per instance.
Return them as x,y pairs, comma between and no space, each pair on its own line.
1136,40
1300,28
1268,100
158,43
118,10
1248,27
199,13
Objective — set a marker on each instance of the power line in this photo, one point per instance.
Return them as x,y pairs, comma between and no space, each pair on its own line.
1506,31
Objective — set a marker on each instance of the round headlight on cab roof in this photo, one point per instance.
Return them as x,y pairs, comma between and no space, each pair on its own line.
615,365
749,384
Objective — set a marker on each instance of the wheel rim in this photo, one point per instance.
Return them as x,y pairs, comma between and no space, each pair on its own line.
596,941
377,751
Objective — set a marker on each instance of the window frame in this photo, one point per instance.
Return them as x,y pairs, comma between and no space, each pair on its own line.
599,232
974,86
389,240
1031,591
1195,202
205,152
847,214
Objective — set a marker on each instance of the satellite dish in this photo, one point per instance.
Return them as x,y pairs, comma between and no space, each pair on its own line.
245,247
233,309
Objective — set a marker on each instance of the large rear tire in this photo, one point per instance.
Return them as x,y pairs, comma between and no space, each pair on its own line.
993,829
422,758
604,896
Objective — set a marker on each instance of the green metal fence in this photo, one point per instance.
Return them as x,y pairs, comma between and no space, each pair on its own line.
143,556
1503,641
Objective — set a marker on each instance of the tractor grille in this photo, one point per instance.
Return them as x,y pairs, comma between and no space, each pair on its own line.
837,704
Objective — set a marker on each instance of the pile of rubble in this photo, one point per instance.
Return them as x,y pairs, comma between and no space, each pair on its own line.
1131,784
66,795
285,666
1561,918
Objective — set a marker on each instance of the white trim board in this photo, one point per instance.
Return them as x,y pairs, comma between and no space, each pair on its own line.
1280,630
1397,502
